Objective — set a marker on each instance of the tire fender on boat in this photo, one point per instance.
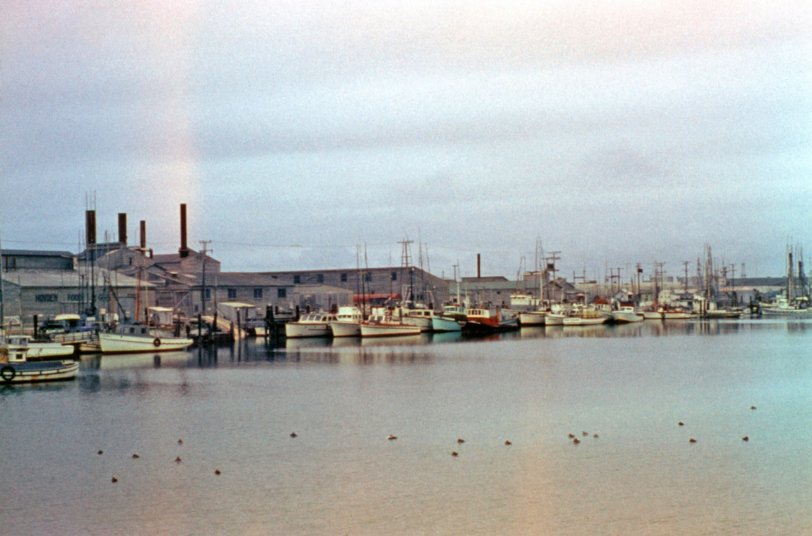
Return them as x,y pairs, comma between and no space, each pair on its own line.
7,373
157,342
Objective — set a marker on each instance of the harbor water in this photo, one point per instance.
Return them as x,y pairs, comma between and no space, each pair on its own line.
202,442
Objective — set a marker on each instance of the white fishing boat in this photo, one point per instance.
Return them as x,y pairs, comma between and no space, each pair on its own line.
310,325
585,317
382,324
348,322
532,318
783,307
136,338
626,314
554,319
419,316
37,349
676,314
652,314
15,367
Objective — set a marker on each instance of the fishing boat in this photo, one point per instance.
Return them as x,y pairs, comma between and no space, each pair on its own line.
444,324
137,338
626,314
678,313
532,318
310,325
783,307
419,316
381,323
348,322
489,320
585,317
37,349
15,367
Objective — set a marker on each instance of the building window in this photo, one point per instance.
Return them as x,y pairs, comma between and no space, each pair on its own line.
232,293
367,276
319,278
344,277
281,293
297,279
394,276
258,293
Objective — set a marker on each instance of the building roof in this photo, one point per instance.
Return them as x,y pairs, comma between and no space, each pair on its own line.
68,279
35,253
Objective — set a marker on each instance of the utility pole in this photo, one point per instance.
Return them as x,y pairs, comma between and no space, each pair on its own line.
203,251
685,264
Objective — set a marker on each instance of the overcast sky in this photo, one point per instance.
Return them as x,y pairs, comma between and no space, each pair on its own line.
615,132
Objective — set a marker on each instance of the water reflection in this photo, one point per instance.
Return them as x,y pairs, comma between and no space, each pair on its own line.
399,349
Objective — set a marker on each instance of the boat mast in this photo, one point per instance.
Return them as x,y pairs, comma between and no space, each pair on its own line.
2,295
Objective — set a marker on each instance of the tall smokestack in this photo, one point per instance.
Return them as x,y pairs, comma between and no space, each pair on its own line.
90,227
184,251
143,229
478,266
122,228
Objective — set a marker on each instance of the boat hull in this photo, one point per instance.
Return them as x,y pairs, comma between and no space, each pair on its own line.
113,343
345,329
299,330
581,321
532,318
388,330
554,319
38,371
48,350
626,317
441,324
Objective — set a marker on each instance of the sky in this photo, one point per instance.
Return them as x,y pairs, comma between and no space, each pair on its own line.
319,134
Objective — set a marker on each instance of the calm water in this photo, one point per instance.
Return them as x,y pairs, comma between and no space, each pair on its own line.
235,409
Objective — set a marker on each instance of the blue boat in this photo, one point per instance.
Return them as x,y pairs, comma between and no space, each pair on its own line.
15,368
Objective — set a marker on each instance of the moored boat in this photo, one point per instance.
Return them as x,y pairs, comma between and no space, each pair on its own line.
310,325
15,368
137,338
444,324
532,318
489,320
585,316
418,316
626,314
348,322
38,349
382,324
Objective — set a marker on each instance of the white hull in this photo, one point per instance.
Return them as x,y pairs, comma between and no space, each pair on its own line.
676,315
345,329
626,317
422,322
784,311
652,315
580,321
48,350
297,330
388,330
114,343
38,371
554,319
532,318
